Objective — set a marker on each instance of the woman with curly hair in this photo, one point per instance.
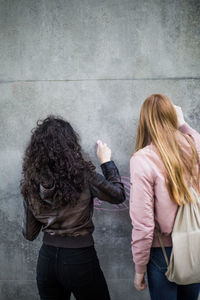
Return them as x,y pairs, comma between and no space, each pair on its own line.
58,188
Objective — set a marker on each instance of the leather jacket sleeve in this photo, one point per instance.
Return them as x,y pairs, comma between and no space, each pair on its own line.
30,225
108,187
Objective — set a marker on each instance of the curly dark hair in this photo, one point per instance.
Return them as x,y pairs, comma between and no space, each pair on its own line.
53,158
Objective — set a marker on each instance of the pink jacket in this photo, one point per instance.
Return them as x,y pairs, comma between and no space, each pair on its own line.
150,204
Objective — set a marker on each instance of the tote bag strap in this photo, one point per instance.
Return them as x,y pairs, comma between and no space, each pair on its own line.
163,248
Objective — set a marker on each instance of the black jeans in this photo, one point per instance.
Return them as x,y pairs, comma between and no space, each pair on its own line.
160,287
62,271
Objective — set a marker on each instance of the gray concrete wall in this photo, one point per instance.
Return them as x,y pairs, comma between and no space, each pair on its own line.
92,62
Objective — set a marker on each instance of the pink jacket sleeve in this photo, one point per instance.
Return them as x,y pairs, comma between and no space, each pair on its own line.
186,129
141,210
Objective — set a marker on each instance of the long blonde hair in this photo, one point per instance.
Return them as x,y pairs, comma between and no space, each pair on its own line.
158,124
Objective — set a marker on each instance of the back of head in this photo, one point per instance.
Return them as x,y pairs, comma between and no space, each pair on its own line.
53,160
158,124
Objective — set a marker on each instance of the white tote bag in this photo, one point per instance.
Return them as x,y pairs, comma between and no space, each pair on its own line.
184,265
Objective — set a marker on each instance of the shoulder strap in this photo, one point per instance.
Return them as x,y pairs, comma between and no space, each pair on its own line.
163,248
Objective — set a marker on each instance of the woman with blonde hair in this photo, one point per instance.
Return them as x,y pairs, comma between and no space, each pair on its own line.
166,162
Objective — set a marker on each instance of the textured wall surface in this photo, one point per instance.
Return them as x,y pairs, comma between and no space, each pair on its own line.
92,62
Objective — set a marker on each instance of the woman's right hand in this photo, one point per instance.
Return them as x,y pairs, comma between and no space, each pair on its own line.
179,114
103,152
139,281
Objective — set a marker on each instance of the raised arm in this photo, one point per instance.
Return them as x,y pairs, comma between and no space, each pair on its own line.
108,188
186,128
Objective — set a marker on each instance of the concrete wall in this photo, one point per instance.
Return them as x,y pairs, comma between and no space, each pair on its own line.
92,62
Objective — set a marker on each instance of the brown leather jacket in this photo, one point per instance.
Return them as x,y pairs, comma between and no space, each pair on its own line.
75,221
